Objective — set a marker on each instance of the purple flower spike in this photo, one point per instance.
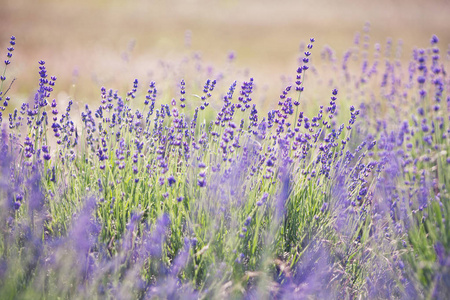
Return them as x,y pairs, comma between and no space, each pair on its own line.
434,39
17,205
363,192
171,180
201,182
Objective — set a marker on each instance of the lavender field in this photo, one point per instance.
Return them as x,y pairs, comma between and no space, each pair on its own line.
203,185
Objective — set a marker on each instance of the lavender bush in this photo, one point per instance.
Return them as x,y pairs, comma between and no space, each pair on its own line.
202,194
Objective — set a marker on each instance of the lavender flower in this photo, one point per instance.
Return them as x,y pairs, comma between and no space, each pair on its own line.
171,180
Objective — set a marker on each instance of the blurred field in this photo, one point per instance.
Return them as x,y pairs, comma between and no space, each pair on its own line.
91,43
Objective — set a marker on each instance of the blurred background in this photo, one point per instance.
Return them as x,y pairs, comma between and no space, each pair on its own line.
92,43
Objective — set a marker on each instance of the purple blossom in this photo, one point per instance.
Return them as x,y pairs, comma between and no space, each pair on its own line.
171,180
201,182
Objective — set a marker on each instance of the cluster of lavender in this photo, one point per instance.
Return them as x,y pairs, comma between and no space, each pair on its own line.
159,197
408,203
